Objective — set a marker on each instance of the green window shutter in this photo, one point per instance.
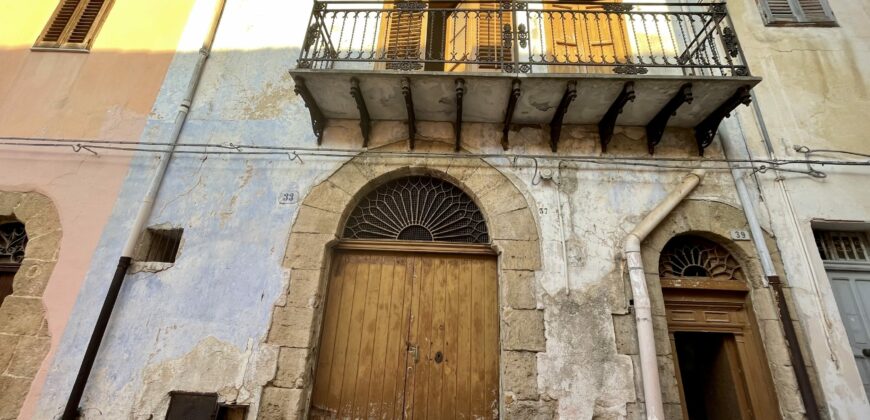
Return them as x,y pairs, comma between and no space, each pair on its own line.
797,12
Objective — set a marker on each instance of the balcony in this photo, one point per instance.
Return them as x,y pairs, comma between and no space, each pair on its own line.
653,65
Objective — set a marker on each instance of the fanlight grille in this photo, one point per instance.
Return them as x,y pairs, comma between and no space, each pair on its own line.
691,256
13,240
418,208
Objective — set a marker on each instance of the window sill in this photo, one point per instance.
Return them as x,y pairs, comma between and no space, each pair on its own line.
149,267
58,49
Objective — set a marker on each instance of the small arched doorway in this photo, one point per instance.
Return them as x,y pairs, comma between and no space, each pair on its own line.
721,369
411,323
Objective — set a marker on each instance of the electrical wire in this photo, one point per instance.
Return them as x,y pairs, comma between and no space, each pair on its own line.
295,153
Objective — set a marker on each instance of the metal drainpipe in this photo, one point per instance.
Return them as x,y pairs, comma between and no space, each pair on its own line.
730,148
71,411
649,365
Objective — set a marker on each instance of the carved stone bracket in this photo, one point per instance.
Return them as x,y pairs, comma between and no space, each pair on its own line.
656,127
556,124
409,107
457,127
509,113
706,130
608,122
365,122
318,121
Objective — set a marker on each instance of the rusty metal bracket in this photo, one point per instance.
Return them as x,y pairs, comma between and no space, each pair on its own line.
365,122
409,106
318,121
706,130
608,122
656,127
556,124
457,127
516,91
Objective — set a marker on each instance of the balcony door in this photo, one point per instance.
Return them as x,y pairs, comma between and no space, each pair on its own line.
583,34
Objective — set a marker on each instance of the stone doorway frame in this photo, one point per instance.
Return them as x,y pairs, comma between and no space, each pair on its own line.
24,335
513,227
713,220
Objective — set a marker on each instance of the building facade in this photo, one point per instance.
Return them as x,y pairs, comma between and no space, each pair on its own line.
441,209
67,74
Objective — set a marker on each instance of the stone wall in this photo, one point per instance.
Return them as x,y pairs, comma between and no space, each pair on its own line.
24,336
296,321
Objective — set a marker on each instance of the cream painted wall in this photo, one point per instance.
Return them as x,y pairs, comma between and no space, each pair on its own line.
105,94
814,94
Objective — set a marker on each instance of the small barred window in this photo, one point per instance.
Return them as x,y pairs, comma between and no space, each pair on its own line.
418,208
13,240
692,256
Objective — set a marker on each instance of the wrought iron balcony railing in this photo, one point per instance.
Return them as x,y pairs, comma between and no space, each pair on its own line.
541,36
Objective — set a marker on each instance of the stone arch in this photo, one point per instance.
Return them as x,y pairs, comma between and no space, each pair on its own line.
713,220
24,336
514,234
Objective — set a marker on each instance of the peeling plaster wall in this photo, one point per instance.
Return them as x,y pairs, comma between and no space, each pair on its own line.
202,324
814,94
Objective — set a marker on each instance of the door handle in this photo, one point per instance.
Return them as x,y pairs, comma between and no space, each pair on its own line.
865,352
415,352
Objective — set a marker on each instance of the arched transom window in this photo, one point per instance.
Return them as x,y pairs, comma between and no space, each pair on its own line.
417,208
696,257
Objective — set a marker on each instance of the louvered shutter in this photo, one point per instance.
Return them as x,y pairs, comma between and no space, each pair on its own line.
797,12
73,24
404,35
491,48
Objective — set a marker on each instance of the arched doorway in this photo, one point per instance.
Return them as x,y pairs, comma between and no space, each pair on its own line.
721,368
411,323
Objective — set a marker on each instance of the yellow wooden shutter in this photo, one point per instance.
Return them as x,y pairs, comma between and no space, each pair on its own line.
404,35
491,49
73,24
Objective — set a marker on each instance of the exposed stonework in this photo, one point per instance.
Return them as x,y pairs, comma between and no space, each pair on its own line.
712,220
512,225
24,342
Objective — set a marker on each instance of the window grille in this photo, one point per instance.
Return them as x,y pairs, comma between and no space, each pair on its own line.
692,256
73,24
843,246
418,209
196,406
13,240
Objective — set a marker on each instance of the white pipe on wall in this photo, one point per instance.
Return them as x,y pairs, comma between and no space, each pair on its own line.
642,308
730,147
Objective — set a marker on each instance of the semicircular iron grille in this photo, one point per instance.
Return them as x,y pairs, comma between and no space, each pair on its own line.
418,208
692,256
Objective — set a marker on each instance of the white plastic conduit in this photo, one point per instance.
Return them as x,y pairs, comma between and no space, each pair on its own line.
642,308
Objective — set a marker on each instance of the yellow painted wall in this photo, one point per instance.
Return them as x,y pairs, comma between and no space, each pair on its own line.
106,93
69,94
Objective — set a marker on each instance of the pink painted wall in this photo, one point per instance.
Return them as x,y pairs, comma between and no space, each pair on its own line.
105,94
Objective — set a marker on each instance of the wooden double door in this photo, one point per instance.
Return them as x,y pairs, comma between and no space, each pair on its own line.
409,335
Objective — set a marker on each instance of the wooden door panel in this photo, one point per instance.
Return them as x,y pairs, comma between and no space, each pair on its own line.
457,315
361,366
378,307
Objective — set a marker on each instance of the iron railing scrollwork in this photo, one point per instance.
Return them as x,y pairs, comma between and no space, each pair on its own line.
523,36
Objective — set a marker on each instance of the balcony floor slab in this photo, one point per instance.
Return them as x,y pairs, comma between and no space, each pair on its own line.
486,96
